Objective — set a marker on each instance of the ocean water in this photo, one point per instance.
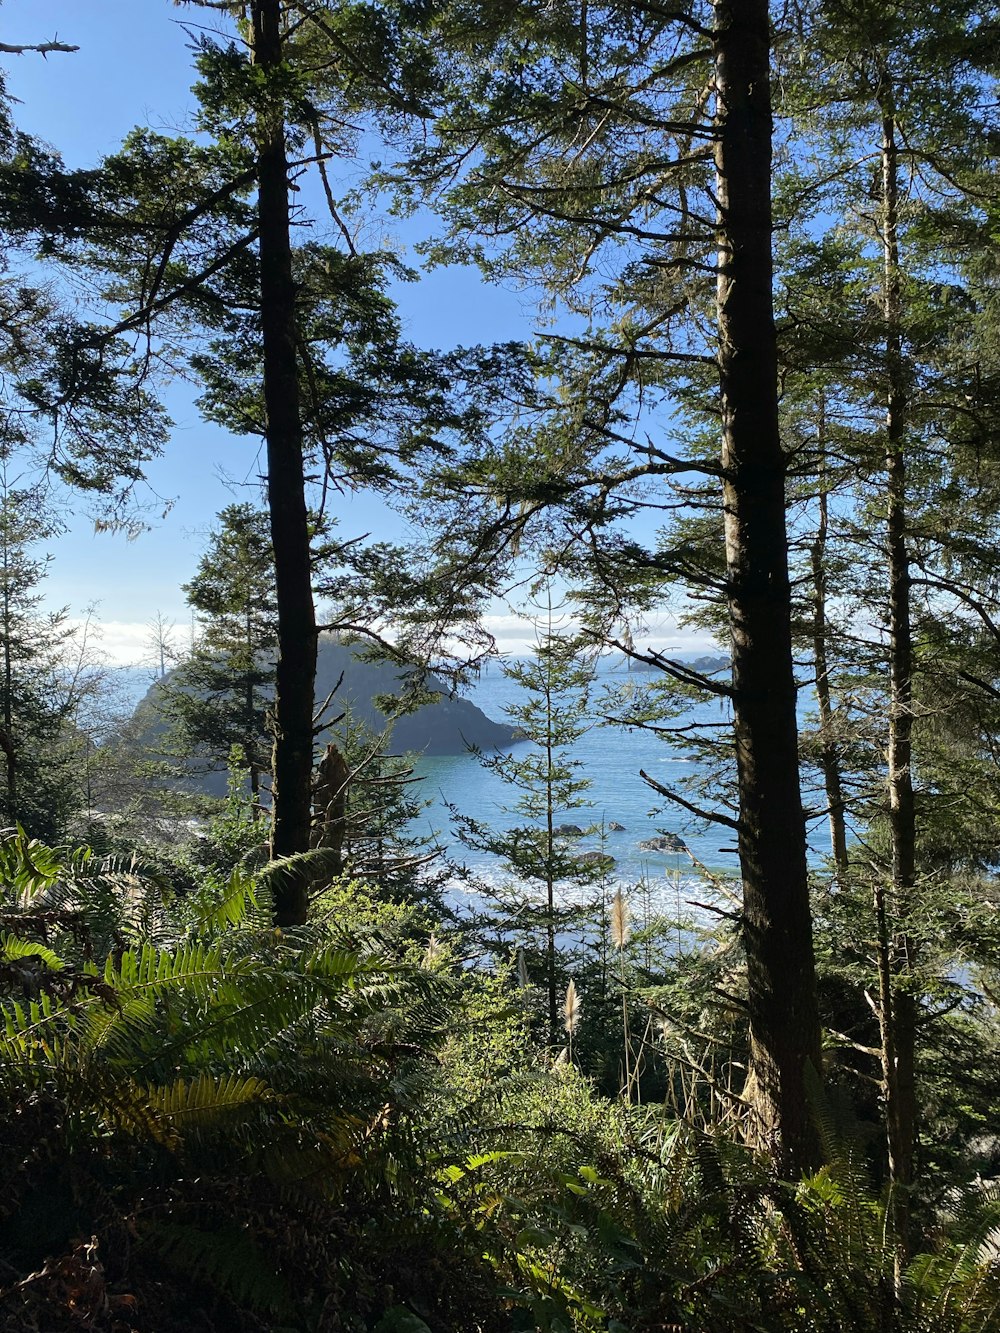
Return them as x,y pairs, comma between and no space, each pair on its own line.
610,758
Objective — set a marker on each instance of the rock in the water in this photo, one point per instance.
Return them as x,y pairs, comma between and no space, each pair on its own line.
664,842
568,831
596,859
615,827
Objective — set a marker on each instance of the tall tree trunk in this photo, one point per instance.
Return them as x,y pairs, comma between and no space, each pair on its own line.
250,751
297,634
550,836
7,736
898,1017
784,1022
829,748
550,888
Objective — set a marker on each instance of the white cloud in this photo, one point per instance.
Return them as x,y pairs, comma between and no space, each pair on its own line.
514,634
130,643
124,642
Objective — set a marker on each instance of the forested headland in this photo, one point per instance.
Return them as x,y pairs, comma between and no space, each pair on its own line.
271,1059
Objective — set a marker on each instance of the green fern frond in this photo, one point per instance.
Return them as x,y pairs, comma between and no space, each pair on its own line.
198,1108
193,967
29,1026
962,1276
317,866
107,1026
26,866
239,900
335,963
226,1259
91,905
205,1101
12,948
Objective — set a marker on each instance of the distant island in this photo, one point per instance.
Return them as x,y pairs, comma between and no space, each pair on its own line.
447,725
705,666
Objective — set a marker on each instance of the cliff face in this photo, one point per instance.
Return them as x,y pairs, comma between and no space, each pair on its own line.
444,726
447,726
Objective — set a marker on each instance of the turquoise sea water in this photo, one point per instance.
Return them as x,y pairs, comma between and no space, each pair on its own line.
611,758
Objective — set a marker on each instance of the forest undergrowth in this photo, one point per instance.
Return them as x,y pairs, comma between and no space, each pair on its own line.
360,1124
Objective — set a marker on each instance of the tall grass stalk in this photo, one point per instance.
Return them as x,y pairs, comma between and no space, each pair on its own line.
620,933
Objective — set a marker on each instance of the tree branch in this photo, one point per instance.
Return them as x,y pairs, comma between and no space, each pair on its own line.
196,280
713,817
651,354
43,49
677,670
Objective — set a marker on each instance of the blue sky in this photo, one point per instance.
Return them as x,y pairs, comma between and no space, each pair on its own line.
134,67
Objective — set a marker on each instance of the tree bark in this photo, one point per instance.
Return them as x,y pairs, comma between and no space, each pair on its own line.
829,748
250,750
550,850
899,1016
784,1022
297,634
7,735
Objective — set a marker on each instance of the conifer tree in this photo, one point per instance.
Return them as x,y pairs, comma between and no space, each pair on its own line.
623,161
300,344
220,694
895,105
538,855
42,689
